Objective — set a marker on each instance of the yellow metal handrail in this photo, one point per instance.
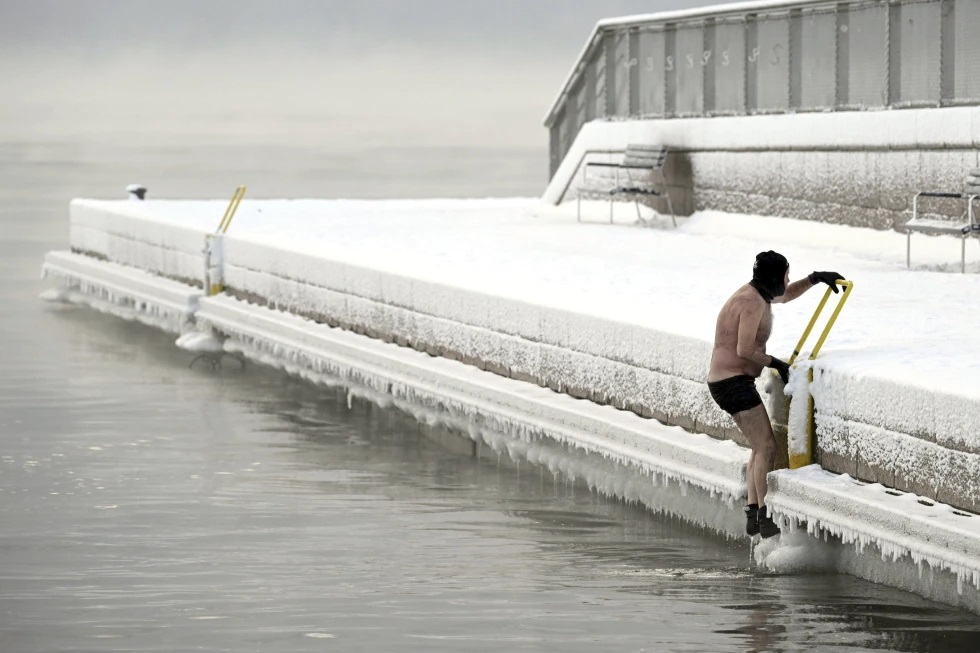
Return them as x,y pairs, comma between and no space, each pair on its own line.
213,278
803,458
847,286
229,215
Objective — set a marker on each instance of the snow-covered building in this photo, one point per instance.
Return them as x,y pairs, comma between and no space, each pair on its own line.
838,112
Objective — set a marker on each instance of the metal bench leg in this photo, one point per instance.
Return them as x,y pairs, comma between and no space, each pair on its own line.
611,197
636,200
963,255
670,205
578,195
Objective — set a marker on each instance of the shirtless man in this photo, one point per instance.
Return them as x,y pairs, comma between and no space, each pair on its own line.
737,360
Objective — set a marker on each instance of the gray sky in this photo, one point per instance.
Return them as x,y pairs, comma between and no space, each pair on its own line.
450,72
110,26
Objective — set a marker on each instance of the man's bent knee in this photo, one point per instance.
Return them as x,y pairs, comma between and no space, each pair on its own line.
767,448
754,424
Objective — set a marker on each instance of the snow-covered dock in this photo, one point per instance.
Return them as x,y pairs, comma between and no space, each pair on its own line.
619,315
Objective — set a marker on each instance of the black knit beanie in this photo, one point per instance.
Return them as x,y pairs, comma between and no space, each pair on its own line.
769,274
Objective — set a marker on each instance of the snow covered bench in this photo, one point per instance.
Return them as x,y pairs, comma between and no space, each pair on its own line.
643,166
964,227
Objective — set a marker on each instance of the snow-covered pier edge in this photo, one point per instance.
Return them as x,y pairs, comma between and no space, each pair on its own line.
329,321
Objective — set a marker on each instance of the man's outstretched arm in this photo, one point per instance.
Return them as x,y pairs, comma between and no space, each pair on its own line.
797,288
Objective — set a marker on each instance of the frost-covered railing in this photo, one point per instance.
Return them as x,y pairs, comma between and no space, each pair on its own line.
772,56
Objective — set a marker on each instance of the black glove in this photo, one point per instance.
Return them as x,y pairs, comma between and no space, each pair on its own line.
829,278
780,366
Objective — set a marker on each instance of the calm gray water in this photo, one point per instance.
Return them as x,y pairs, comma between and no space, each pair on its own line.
146,506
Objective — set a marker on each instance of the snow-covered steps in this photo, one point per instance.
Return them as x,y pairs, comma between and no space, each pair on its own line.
906,529
476,401
122,290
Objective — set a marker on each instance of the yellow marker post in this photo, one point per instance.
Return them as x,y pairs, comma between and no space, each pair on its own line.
799,459
229,215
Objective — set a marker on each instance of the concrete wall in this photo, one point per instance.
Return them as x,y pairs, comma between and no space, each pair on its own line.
858,168
771,57
869,188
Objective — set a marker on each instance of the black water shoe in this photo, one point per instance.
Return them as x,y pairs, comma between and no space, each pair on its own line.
751,519
767,527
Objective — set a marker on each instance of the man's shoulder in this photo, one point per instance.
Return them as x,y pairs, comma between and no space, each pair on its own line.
746,291
748,297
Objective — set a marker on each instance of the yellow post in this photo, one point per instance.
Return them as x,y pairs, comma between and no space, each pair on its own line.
847,285
803,458
809,327
229,215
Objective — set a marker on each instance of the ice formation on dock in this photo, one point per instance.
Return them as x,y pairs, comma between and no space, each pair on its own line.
597,316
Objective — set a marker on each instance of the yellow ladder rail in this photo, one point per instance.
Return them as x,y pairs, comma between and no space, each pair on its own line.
848,286
213,284
803,458
229,215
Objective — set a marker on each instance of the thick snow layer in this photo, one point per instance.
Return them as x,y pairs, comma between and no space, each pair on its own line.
518,261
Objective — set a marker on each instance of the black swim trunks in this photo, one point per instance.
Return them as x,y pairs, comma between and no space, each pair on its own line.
735,394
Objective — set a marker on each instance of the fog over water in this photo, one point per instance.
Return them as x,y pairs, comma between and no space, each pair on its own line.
342,74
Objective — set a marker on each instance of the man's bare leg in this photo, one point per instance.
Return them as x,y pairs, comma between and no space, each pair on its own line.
751,494
751,509
757,429
755,425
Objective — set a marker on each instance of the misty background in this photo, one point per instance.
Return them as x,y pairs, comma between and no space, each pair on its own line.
376,72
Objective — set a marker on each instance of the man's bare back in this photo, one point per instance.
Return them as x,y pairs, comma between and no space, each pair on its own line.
726,362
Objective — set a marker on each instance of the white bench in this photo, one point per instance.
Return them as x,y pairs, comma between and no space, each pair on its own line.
964,227
643,166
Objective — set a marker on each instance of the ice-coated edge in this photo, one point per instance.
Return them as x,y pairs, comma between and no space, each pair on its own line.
899,525
122,291
931,550
607,476
467,393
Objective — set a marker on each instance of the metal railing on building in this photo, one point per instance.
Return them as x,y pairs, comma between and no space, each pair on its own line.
772,57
